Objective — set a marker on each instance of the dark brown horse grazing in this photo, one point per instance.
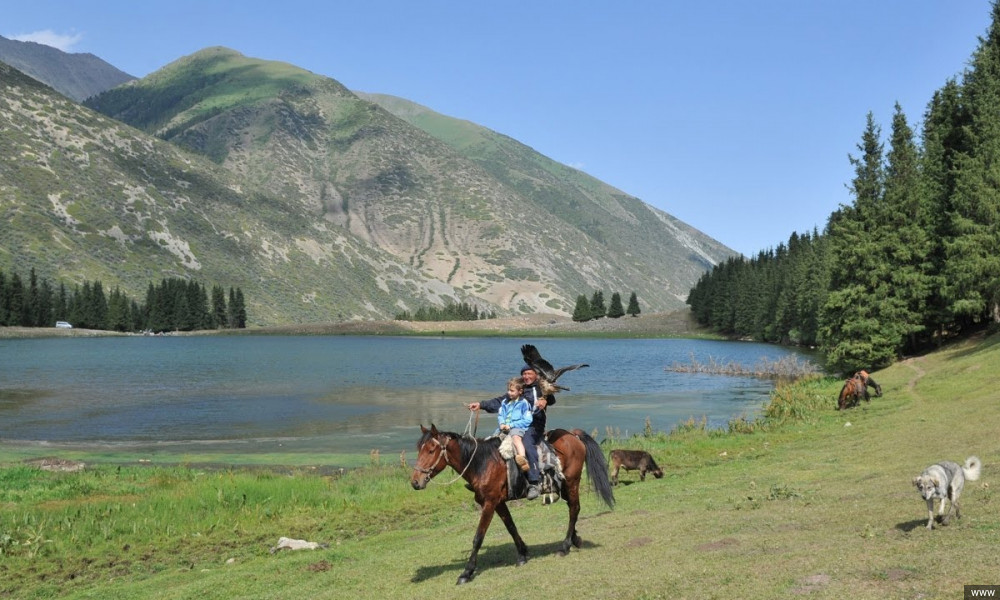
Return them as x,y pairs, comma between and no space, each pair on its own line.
856,388
478,461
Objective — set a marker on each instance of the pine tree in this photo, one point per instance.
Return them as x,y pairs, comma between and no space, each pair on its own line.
597,309
903,238
945,140
61,308
615,309
4,312
633,305
44,315
152,310
119,318
219,319
232,308
241,310
31,301
100,306
972,270
850,327
581,313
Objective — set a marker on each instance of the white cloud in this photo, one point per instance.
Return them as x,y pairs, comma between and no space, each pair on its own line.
49,38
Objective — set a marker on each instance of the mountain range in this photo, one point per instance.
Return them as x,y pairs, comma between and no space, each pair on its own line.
321,203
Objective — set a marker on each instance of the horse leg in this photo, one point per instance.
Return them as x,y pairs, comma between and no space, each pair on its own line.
477,542
572,496
522,549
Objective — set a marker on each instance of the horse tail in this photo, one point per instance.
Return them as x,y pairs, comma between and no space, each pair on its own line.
842,399
597,468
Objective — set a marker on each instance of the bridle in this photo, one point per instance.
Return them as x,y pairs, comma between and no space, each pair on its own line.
442,456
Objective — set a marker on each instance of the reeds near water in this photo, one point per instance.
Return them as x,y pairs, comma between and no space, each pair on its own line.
786,368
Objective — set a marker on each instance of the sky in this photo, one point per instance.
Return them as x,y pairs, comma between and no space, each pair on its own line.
737,117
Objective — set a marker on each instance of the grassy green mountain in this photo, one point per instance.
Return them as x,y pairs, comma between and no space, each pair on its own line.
77,76
85,197
487,216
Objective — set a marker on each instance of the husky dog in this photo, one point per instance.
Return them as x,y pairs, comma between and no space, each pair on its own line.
945,481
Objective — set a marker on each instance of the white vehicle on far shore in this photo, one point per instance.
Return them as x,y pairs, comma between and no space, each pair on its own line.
64,325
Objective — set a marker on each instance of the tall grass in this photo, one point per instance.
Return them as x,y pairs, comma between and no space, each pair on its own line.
786,368
136,521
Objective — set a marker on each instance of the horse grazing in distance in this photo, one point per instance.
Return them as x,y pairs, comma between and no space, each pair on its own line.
478,461
856,388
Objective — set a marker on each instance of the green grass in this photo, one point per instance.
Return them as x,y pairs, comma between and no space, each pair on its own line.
813,503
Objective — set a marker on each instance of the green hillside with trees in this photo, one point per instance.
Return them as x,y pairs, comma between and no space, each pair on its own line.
914,260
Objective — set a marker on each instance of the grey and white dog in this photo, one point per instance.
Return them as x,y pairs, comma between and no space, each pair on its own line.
945,481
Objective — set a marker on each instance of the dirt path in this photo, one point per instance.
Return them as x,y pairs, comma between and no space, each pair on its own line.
918,373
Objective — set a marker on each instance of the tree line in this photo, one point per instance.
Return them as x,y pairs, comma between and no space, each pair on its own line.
173,305
451,312
914,260
586,310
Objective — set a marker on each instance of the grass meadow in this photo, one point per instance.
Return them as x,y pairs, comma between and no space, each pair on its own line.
807,502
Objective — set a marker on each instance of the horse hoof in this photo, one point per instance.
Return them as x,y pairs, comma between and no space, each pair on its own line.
463,579
522,561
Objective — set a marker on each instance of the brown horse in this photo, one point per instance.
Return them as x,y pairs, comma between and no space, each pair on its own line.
856,388
478,461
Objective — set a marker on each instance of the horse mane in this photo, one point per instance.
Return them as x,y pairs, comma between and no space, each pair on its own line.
476,453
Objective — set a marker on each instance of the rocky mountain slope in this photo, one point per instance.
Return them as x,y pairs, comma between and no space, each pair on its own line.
84,197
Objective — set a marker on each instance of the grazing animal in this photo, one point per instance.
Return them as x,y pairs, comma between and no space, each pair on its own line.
633,460
545,370
944,481
856,388
869,381
478,461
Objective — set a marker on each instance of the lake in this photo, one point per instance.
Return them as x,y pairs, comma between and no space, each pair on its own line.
343,394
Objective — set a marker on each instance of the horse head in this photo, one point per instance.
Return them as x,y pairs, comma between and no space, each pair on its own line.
432,457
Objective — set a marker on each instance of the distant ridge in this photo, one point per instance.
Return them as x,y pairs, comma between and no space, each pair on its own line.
76,76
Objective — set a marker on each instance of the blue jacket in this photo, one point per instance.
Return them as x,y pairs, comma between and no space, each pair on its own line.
514,413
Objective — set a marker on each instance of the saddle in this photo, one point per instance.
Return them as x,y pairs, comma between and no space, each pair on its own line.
548,465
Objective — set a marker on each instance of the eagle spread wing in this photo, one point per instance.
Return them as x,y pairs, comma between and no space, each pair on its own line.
545,369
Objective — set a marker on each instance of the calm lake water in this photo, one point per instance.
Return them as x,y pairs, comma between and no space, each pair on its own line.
342,394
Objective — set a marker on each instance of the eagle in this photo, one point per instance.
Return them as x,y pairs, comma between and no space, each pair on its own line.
546,372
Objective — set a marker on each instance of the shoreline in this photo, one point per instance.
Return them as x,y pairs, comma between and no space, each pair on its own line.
679,324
